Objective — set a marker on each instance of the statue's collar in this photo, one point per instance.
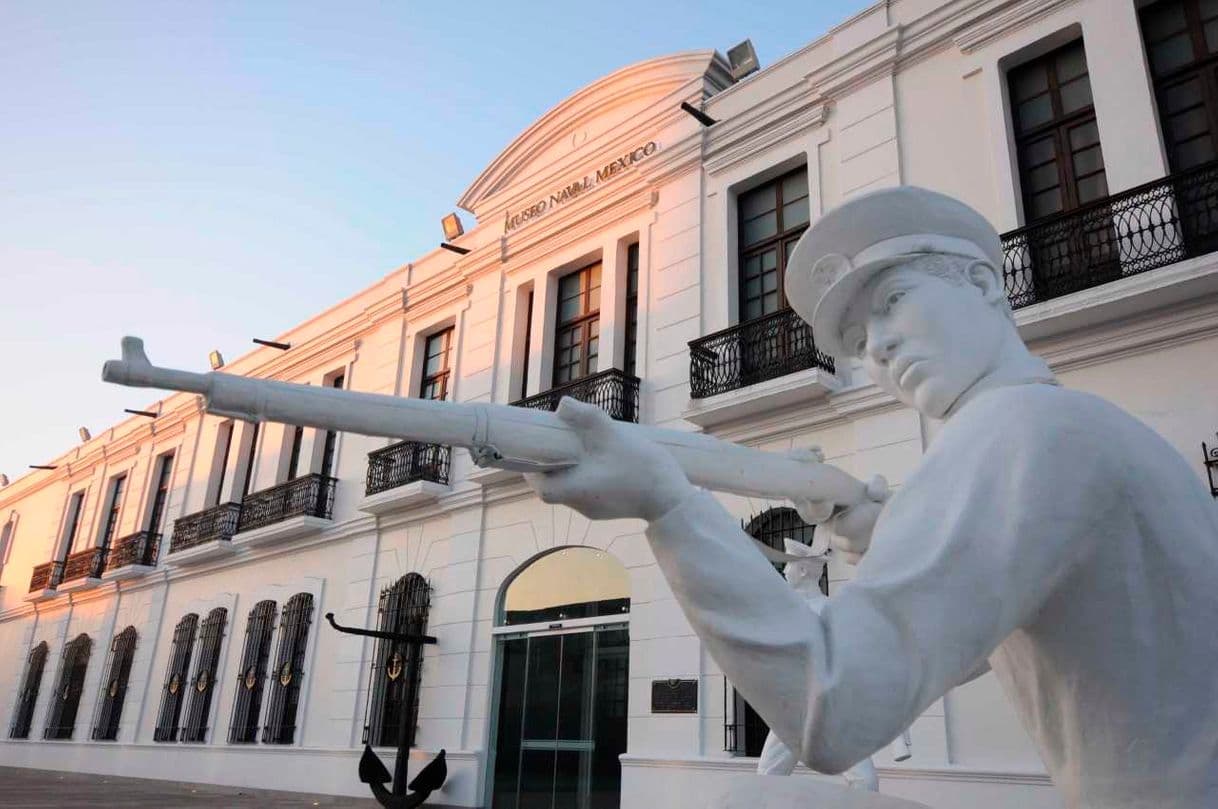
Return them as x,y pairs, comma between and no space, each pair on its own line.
1032,371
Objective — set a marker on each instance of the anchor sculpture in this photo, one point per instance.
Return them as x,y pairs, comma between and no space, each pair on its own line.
399,794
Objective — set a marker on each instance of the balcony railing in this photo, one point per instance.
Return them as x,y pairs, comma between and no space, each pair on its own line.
406,462
764,348
216,523
613,391
88,563
1132,232
136,549
46,576
308,495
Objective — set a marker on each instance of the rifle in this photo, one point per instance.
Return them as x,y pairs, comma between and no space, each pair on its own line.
502,436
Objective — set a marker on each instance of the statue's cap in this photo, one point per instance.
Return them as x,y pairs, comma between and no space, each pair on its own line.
846,247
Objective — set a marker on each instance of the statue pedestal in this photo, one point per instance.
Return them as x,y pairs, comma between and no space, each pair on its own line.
794,792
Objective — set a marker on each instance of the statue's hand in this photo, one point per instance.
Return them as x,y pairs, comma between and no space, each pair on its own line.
850,529
619,474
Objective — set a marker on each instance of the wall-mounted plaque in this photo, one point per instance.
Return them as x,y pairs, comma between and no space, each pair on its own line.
674,696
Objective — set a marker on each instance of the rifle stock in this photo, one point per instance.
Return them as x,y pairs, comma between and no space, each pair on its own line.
503,436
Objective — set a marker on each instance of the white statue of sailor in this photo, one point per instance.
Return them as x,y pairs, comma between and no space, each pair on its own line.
1045,531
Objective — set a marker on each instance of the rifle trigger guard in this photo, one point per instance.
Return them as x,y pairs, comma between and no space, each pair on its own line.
488,455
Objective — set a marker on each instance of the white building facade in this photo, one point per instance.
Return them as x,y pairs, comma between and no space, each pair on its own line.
163,588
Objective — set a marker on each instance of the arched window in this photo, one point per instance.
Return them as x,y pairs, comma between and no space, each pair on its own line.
394,686
114,686
65,699
745,730
211,635
175,679
577,582
288,673
23,716
251,673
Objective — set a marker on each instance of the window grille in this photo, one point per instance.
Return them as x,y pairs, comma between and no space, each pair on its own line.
65,699
288,673
114,686
175,679
23,716
211,635
396,667
251,673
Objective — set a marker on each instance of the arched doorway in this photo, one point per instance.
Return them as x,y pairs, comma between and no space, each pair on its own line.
562,676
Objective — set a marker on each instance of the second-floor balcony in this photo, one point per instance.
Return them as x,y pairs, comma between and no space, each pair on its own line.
209,528
132,555
405,474
83,569
757,350
45,578
308,496
1126,234
614,391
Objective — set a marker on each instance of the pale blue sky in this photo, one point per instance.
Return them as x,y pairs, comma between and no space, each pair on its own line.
202,173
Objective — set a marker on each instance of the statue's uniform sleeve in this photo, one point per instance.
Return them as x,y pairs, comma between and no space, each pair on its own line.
966,552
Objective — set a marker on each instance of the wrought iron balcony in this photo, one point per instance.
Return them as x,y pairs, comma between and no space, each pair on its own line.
613,391
136,549
46,576
757,350
308,495
86,564
216,523
406,462
1132,232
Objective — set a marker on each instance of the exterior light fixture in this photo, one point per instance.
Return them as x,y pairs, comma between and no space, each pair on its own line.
273,344
698,114
84,434
453,248
3,481
216,360
452,226
42,466
743,60
147,413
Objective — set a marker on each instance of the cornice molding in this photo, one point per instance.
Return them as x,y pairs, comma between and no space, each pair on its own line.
790,113
983,22
872,60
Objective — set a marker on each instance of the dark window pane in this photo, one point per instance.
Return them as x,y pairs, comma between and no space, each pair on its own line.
769,260
1163,19
1088,162
795,186
1045,203
1171,53
1076,95
1085,135
770,282
1092,188
1208,9
795,213
1034,113
568,309
1183,95
1042,178
1193,153
1071,62
1029,81
1211,36
756,202
759,229
1039,152
752,266
752,309
1189,124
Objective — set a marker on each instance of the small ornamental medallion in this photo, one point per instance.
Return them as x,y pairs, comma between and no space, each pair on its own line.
393,669
175,683
202,682
113,688
251,678
285,674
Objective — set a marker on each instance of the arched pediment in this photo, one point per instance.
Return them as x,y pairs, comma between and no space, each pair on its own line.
582,125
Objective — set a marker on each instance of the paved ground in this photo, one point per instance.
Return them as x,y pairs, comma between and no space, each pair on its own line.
46,789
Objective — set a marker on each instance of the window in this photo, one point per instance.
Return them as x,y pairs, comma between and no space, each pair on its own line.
577,339
772,218
396,666
175,679
23,716
746,731
224,444
72,522
434,384
114,686
294,458
1057,140
251,674
327,452
528,345
251,452
65,699
1181,38
570,583
288,673
116,504
160,495
211,635
630,365
7,536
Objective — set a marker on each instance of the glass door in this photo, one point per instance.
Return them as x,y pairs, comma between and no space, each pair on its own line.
562,720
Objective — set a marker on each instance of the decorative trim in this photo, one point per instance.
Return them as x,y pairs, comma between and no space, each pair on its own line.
986,27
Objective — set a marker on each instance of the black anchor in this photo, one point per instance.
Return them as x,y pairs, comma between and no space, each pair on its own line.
372,772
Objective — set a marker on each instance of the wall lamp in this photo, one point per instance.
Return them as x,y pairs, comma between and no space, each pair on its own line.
698,114
216,360
84,434
453,229
273,344
3,481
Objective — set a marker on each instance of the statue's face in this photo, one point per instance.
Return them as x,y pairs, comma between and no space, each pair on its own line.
925,339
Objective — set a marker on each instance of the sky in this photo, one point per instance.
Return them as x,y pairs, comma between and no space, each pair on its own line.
202,173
